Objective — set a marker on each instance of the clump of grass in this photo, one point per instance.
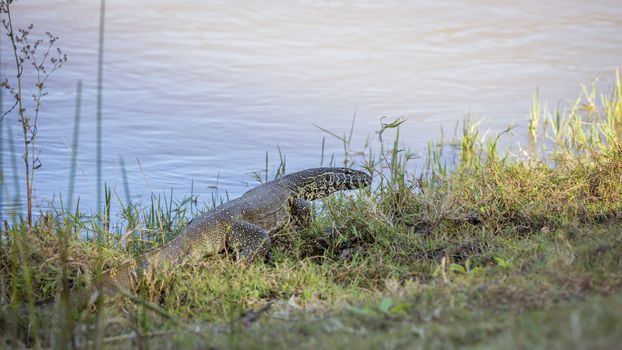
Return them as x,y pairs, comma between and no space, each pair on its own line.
449,254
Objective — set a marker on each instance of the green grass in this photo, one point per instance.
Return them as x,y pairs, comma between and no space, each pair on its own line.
491,251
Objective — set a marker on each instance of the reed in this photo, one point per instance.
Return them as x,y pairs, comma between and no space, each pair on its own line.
126,183
2,180
74,145
13,153
100,86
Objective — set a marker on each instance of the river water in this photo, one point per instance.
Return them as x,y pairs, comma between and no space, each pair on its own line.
196,92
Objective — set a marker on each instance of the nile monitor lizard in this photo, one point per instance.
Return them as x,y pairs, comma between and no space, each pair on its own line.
243,225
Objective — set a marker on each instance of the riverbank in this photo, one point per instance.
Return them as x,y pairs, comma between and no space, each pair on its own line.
488,250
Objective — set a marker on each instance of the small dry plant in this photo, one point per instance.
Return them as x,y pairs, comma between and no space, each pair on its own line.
38,58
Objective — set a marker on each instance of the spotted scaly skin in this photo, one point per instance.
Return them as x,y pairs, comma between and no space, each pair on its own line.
244,225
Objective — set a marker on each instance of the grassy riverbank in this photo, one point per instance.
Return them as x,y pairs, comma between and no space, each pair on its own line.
496,250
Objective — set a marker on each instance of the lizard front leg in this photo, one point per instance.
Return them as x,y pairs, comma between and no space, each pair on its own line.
300,210
248,241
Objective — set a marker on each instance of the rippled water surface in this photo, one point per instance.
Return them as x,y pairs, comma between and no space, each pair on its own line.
201,90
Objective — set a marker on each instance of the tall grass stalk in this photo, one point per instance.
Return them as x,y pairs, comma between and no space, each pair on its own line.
102,231
100,75
2,180
74,145
65,324
11,142
102,235
534,118
126,183
15,287
346,142
22,247
322,154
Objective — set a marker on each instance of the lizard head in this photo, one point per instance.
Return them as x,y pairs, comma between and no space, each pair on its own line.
320,182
